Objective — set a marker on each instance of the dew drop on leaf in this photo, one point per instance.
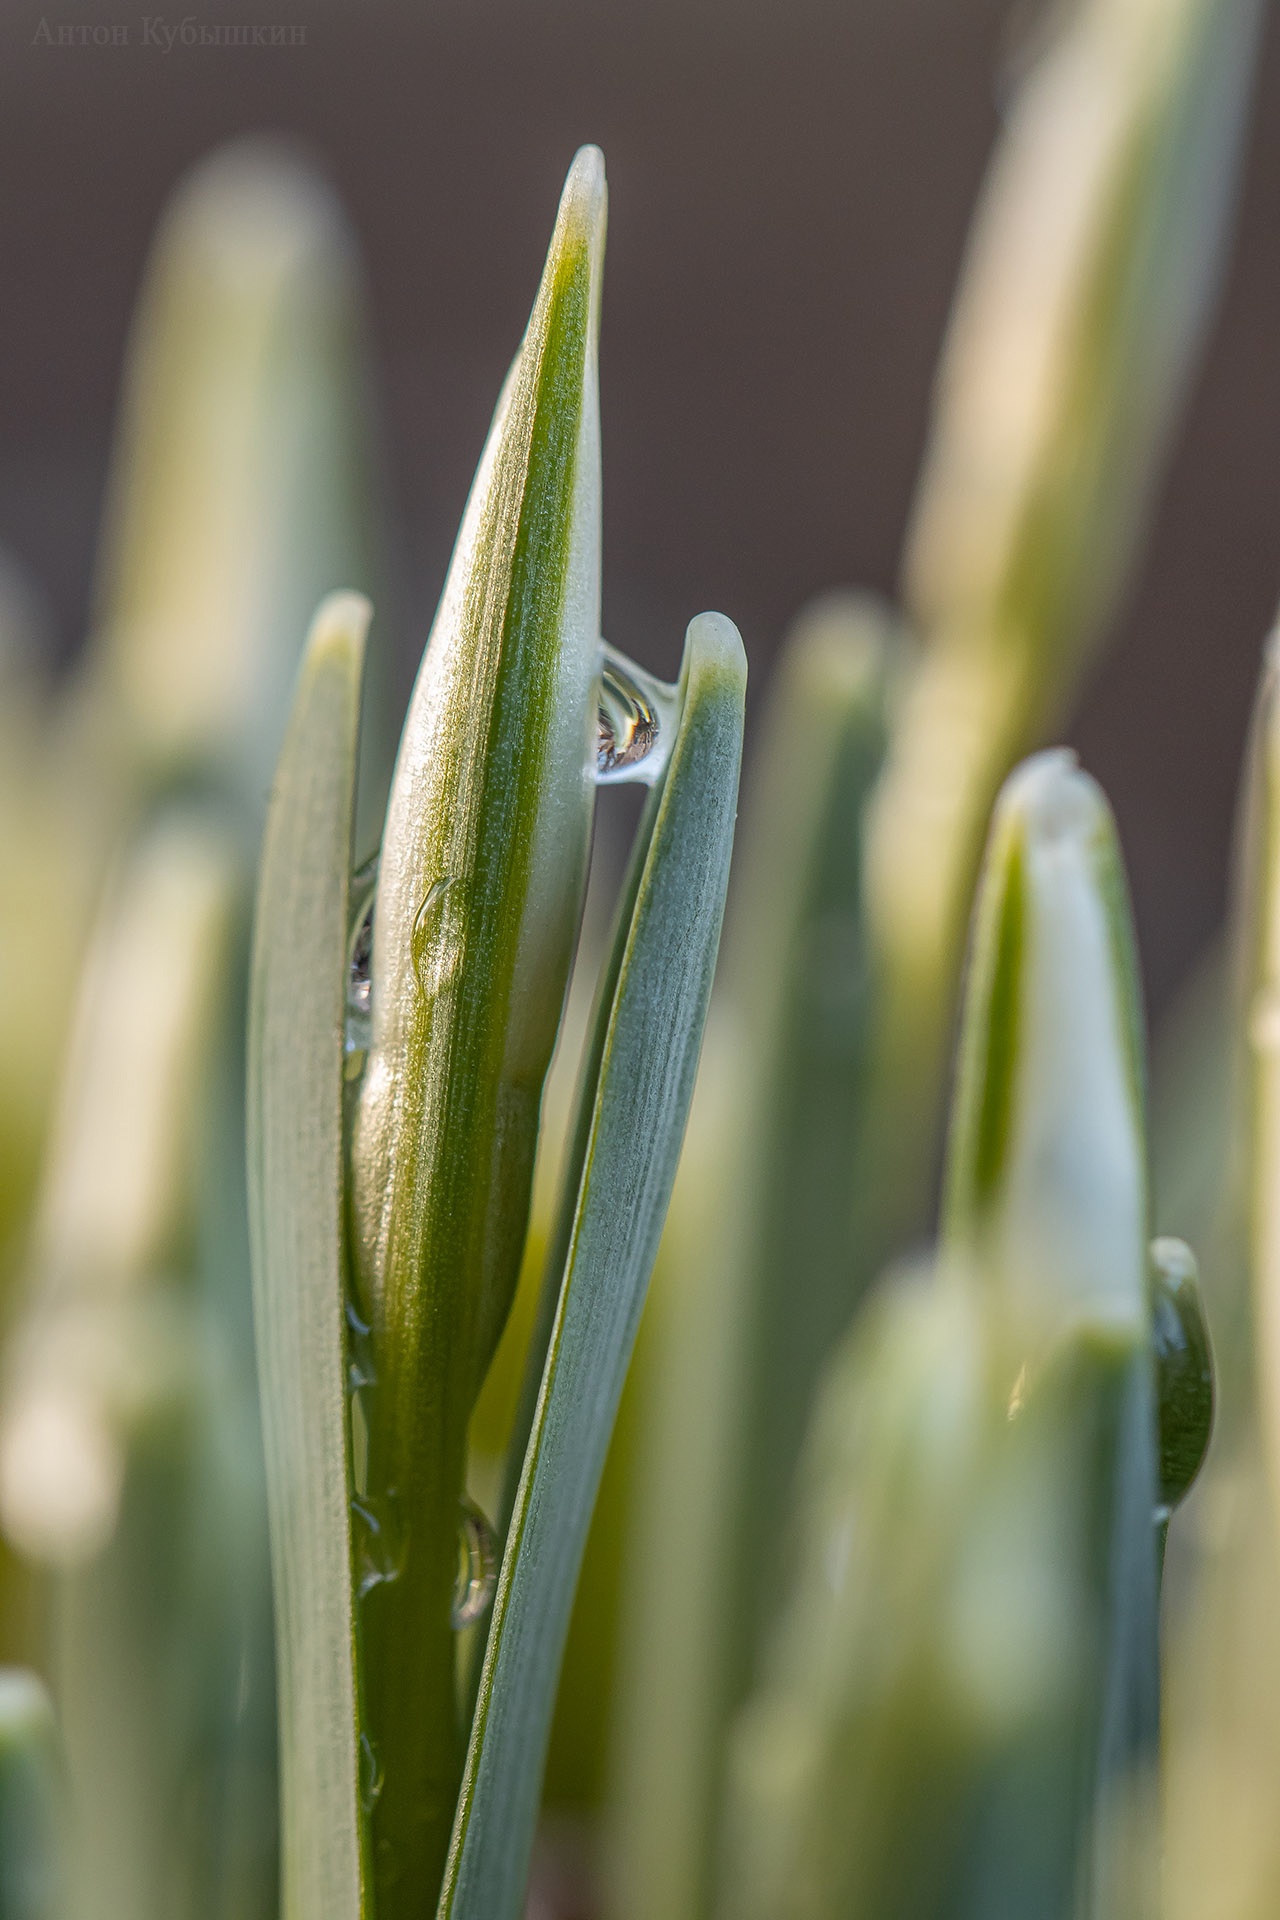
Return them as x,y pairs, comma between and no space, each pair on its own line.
370,1774
477,1567
1184,1370
436,940
635,722
379,1542
363,896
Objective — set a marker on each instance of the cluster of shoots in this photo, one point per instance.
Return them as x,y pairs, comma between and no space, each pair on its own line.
492,1427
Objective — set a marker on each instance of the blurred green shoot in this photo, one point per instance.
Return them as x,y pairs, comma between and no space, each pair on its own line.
240,488
32,1802
1046,1199
1088,285
1224,1721
913,1747
107,1383
1090,276
45,876
129,1456
959,1709
751,1304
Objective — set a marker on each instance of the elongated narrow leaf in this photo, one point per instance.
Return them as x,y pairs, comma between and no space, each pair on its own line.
32,1802
800,995
240,487
1259,1014
107,1369
479,895
115,1208
1046,1210
1222,1733
634,1104
295,1159
45,880
758,1273
1047,1180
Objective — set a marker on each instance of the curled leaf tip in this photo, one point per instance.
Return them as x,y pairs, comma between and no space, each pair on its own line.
718,641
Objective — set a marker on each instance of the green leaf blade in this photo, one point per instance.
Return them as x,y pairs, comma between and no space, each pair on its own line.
480,886
651,1016
758,1272
33,1879
295,1160
1047,1169
1047,1217
239,493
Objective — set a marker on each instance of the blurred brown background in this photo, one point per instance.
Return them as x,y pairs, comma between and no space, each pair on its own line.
789,193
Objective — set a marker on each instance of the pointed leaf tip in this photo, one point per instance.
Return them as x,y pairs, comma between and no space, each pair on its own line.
585,199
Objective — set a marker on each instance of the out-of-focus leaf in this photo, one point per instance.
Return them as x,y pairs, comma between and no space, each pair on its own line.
240,489
636,1088
32,1802
239,492
1194,1148
1046,1211
958,1712
112,1373
44,877
1046,1189
760,1260
1089,279
1222,1733
912,1749
1259,1015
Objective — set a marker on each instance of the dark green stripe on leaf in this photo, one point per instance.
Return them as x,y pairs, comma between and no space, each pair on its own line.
989,1049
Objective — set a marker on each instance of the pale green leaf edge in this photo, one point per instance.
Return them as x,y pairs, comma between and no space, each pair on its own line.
649,1035
294,1122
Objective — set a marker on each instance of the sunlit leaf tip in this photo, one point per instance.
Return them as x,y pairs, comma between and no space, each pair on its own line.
1046,1179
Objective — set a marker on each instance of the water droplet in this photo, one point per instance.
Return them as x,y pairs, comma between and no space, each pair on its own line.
477,1567
380,1546
436,940
363,898
1184,1369
371,1775
635,723
359,1446
361,1377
